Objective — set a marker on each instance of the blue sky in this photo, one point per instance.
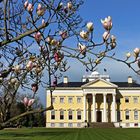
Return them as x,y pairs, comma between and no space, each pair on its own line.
126,27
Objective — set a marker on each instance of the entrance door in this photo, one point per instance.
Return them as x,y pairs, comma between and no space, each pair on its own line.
99,116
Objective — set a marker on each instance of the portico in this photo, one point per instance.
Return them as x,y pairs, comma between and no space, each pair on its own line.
101,100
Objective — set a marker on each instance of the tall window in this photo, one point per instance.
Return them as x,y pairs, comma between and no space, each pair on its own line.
78,99
70,99
61,124
61,99
61,114
52,124
70,114
127,114
70,125
79,115
127,99
52,114
135,99
136,115
53,99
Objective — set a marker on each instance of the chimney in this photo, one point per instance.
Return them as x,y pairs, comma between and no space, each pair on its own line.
130,80
65,80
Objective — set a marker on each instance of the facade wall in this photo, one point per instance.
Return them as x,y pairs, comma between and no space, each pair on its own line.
132,105
74,106
121,106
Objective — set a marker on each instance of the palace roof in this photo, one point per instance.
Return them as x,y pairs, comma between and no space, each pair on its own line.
79,84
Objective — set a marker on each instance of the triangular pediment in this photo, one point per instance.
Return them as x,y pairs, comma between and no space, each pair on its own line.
100,83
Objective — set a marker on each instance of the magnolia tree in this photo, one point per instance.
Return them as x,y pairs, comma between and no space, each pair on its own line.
34,46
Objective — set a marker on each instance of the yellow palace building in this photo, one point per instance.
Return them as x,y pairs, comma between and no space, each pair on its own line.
95,100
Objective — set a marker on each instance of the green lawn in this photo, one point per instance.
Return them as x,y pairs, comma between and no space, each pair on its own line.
70,134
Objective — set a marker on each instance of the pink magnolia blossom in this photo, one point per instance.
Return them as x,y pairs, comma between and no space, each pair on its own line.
25,101
39,7
106,36
43,22
136,52
89,26
69,5
40,10
30,102
26,4
63,34
38,37
29,65
30,8
84,35
56,57
107,23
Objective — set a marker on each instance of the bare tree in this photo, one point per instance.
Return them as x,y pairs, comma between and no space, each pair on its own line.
33,43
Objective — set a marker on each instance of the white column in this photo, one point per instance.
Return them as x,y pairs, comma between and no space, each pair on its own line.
84,109
94,107
105,113
114,108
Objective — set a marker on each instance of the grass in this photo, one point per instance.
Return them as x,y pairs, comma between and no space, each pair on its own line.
70,134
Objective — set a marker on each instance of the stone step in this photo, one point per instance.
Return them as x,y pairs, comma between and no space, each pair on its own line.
101,125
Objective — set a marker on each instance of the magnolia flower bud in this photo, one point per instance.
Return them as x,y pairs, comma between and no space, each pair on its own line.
38,37
106,36
30,8
40,10
113,38
53,42
97,61
107,23
60,6
89,26
17,69
26,4
128,55
82,48
49,39
29,66
63,34
84,35
56,57
38,69
113,45
39,6
43,22
31,101
13,81
34,87
69,5
136,52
